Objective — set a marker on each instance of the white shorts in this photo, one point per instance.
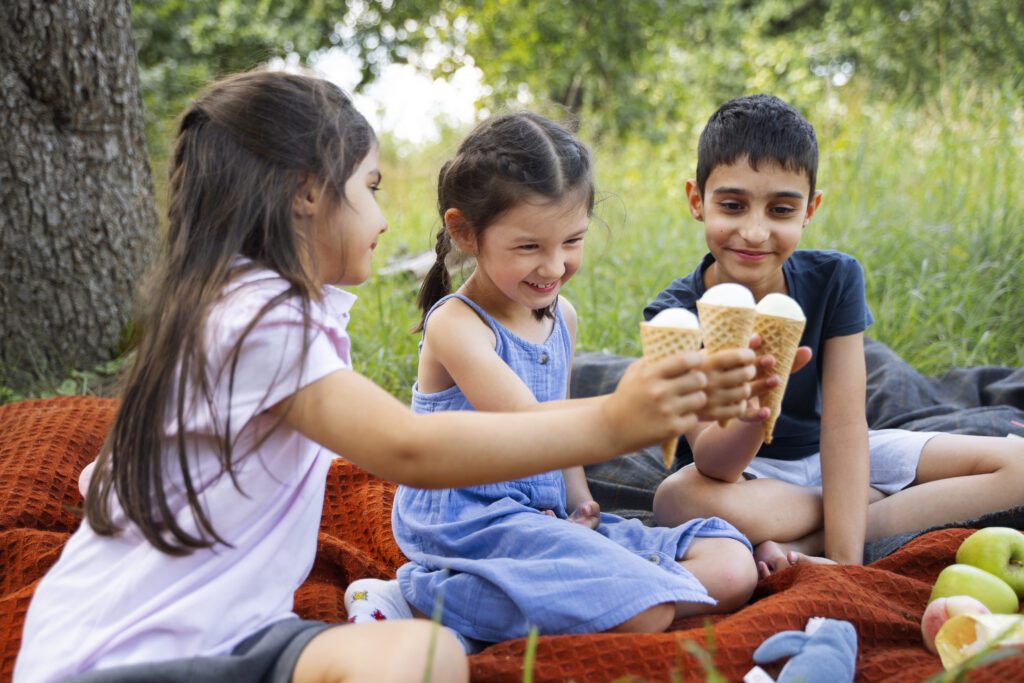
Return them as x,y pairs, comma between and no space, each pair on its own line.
894,457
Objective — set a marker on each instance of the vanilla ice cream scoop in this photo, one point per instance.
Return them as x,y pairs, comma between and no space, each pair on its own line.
729,294
675,317
781,306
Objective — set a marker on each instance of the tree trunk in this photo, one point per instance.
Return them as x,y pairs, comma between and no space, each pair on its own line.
77,219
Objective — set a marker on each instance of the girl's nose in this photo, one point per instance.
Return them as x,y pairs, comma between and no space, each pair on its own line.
553,267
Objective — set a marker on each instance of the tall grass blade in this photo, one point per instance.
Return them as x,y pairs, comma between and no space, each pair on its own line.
530,656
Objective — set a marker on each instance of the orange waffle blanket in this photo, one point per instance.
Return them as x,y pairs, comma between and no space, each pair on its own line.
45,444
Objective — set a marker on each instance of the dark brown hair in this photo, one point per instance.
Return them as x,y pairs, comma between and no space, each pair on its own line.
504,161
760,128
244,149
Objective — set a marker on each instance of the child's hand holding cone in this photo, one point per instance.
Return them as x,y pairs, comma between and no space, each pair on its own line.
726,319
671,331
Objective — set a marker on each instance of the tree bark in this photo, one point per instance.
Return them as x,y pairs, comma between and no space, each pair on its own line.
77,219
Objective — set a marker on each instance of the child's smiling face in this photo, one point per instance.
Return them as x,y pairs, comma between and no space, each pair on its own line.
531,250
753,220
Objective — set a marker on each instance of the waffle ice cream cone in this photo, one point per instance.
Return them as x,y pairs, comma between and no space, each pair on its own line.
660,338
780,322
726,314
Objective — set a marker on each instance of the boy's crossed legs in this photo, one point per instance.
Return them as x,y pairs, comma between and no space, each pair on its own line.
957,477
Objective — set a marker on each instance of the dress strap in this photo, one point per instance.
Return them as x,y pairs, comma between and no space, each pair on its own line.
484,315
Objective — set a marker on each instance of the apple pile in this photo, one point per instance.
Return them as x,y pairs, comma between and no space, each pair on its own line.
988,577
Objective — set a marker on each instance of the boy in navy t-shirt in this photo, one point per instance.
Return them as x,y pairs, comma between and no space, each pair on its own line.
826,483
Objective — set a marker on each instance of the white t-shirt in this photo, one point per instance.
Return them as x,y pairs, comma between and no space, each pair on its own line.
116,600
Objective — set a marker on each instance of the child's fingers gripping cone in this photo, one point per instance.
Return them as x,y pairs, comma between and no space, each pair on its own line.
726,319
671,331
780,322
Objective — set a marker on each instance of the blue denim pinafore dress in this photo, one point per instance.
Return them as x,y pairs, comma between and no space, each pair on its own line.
503,565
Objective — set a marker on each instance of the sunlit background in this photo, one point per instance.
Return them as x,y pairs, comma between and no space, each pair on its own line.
917,105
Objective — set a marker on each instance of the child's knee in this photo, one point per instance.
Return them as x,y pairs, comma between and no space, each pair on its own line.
1016,449
687,495
436,645
1015,465
1007,461
676,499
451,663
735,575
393,651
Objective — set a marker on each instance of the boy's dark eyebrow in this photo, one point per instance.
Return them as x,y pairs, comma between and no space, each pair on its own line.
740,191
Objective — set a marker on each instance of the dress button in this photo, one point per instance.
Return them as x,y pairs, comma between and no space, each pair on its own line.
543,359
654,558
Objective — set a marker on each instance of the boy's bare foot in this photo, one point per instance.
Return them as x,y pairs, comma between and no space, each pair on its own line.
772,557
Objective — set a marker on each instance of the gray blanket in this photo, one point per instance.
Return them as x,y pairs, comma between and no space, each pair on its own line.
984,400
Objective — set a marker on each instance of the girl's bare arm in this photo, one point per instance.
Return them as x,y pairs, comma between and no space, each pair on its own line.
350,415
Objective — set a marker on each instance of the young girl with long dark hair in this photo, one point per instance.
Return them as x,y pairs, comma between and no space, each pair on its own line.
203,509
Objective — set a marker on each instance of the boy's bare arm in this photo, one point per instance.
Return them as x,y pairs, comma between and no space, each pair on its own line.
845,460
347,413
723,453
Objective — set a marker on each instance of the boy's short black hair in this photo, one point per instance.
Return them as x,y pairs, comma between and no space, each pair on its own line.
760,128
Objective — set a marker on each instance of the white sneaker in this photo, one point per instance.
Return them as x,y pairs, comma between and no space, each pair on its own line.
370,600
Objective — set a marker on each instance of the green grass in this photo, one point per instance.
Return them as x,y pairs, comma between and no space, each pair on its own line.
925,198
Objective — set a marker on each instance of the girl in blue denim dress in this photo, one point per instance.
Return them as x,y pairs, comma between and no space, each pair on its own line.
535,551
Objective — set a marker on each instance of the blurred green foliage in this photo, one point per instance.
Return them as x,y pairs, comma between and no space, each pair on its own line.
182,45
925,196
917,104
642,66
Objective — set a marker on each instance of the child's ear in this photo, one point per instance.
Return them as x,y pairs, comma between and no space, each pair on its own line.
694,200
460,231
812,206
307,199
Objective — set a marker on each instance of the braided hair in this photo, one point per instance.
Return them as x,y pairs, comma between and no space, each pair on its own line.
504,161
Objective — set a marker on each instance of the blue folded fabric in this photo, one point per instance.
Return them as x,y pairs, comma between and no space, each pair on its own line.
824,652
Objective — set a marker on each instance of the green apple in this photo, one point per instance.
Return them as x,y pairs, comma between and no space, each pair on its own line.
989,589
998,550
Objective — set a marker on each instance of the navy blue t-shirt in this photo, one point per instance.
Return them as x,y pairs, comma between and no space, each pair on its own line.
829,286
